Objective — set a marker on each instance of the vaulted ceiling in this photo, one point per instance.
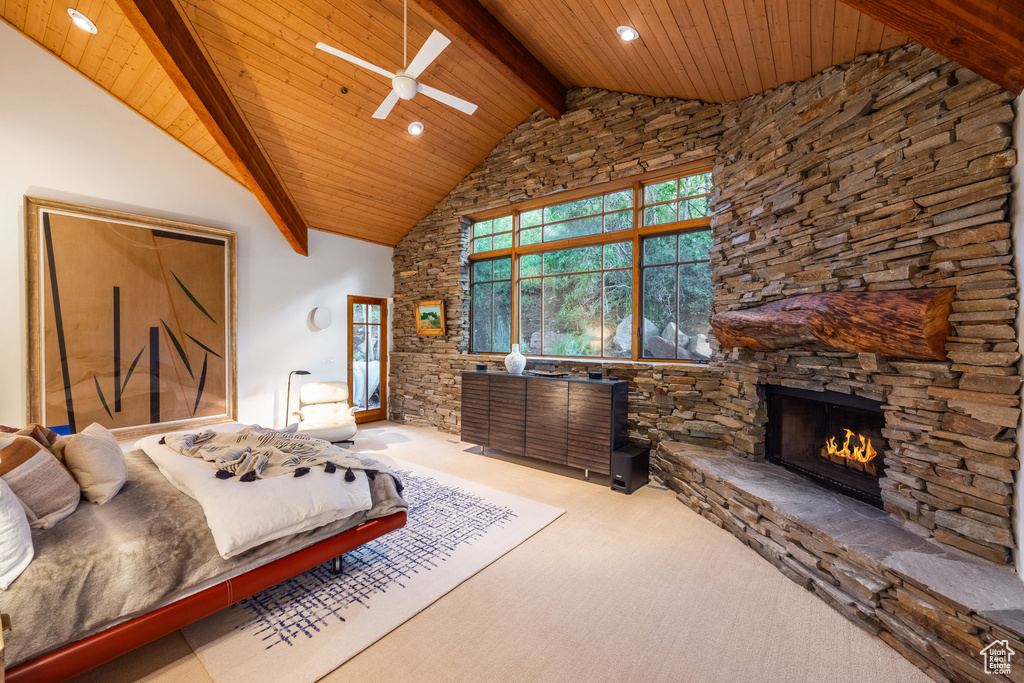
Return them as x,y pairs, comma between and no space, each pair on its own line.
294,123
711,50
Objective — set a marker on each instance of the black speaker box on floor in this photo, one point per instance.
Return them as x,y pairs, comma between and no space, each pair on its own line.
630,468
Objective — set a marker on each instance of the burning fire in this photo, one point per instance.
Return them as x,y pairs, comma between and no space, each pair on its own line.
862,454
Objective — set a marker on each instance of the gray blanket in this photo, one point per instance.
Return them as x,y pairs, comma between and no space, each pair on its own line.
147,547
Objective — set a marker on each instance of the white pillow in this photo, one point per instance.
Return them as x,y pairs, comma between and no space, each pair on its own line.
15,537
97,463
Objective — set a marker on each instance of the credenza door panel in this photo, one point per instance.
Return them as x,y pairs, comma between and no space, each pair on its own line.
547,421
590,426
508,414
475,410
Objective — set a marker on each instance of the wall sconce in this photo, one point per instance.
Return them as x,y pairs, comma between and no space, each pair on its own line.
320,318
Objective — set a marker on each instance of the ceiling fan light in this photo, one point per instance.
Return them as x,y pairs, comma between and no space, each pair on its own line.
404,86
81,21
415,128
628,33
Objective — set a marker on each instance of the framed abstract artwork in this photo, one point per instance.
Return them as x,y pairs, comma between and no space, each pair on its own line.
430,317
131,320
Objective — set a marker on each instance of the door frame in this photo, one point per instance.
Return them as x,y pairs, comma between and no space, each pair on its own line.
380,413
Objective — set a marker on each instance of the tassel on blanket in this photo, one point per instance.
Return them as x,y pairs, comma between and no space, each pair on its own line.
248,476
224,474
349,476
301,471
330,467
371,474
242,461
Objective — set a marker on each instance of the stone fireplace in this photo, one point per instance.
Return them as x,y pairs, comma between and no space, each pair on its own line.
833,439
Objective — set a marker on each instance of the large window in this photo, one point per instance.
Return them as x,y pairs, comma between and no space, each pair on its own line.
563,276
676,277
571,301
491,235
612,212
492,305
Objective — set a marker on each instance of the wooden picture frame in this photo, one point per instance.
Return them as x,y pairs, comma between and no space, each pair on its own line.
430,317
131,321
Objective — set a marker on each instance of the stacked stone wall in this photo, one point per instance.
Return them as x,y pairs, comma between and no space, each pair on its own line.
603,136
891,172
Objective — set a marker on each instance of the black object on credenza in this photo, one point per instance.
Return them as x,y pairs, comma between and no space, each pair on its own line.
571,421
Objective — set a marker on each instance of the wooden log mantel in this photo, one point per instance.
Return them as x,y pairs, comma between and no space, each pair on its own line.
909,323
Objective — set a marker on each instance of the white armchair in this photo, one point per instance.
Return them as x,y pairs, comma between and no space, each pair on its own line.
324,412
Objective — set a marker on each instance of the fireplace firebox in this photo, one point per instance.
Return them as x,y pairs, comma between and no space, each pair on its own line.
833,439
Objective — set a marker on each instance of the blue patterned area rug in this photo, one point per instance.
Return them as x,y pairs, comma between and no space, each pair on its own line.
306,627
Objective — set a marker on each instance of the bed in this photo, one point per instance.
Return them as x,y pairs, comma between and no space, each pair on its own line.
111,578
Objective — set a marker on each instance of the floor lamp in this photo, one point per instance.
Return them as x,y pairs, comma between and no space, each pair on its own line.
288,396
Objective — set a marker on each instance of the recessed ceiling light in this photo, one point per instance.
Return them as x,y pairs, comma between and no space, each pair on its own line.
81,21
628,33
415,128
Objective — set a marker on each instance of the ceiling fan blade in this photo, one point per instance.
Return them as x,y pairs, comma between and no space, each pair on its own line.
436,42
451,100
386,106
355,60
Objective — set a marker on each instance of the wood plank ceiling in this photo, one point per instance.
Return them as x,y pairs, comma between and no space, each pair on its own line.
711,50
369,179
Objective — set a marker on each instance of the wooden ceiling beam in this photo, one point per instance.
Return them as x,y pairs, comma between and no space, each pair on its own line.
471,24
162,28
986,36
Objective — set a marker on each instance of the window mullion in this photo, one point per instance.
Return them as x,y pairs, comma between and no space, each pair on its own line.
637,280
513,326
675,313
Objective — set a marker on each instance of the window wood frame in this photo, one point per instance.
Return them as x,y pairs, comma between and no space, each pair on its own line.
637,234
675,265
380,412
512,283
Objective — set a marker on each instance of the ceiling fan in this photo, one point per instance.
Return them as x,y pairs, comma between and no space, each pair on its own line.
403,82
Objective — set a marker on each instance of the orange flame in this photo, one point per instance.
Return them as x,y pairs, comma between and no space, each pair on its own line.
863,453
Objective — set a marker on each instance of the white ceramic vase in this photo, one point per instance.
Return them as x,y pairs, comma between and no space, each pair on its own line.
515,361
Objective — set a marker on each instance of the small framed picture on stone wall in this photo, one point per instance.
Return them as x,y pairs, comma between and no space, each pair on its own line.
430,317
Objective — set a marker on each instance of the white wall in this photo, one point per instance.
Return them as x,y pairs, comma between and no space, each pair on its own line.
1017,221
61,137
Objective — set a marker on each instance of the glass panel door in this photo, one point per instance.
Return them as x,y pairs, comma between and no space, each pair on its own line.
367,379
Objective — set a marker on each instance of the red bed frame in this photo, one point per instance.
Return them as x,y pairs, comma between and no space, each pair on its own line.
88,653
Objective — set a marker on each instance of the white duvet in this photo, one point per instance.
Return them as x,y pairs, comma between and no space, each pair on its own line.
243,515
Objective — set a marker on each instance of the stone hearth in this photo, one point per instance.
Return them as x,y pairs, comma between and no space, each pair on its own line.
936,606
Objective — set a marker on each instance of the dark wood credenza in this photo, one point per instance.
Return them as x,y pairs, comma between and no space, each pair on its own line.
571,421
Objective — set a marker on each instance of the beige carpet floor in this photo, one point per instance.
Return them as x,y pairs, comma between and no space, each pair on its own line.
620,588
